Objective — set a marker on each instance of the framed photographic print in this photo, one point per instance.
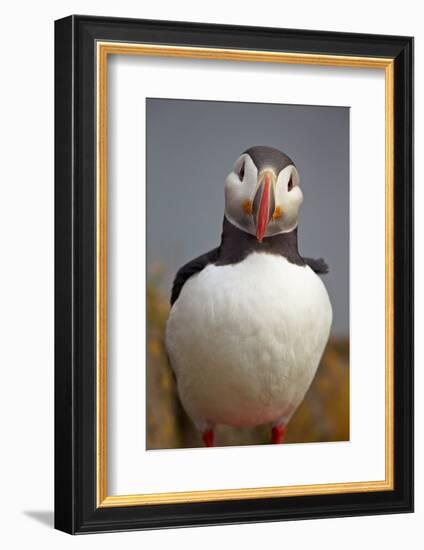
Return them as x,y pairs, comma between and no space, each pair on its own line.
234,268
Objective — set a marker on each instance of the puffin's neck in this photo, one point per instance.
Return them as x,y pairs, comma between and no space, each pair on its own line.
236,245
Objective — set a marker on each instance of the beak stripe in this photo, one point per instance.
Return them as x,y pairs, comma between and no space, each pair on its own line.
264,214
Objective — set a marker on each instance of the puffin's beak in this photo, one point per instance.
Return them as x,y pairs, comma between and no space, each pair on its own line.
264,202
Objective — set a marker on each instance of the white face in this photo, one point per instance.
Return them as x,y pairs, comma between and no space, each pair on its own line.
262,204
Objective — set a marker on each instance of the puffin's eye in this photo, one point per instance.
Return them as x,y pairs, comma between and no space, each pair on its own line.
241,172
290,184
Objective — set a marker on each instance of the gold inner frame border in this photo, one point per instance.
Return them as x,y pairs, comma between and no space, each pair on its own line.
103,50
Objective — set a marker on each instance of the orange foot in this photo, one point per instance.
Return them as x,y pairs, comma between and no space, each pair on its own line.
208,438
278,433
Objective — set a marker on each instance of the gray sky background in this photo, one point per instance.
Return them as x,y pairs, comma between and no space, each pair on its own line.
192,146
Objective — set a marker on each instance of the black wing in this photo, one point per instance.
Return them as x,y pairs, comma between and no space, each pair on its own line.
319,266
190,269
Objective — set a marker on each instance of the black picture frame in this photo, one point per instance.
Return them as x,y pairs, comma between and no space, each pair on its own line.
76,510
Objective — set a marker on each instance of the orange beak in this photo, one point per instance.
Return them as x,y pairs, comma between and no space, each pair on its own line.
263,205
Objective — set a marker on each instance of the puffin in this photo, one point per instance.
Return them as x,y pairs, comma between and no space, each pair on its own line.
250,319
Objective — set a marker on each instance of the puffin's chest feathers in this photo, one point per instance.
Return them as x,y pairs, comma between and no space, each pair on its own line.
245,339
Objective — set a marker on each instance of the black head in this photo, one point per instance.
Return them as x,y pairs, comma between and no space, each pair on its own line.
268,157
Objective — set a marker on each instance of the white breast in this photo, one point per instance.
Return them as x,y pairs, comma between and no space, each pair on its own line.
245,340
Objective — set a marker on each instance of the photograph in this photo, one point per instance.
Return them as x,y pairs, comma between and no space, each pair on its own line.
247,308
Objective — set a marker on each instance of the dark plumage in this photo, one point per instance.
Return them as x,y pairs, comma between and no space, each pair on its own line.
268,157
319,266
191,268
236,245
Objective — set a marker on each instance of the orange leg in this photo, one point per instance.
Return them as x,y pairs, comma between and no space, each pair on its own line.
278,433
208,438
